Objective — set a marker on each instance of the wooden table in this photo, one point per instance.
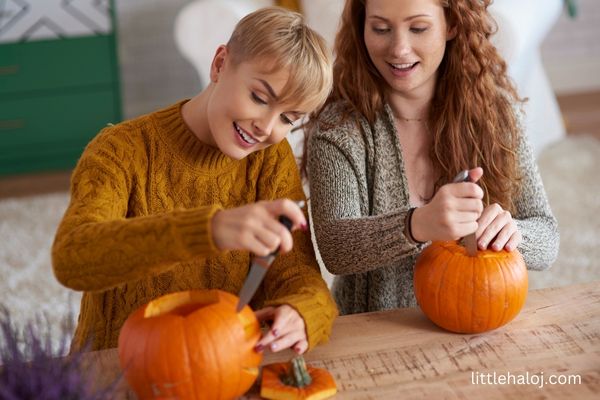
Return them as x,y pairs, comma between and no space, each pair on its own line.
400,354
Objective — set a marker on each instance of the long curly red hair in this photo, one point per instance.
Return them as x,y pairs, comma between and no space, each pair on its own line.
472,117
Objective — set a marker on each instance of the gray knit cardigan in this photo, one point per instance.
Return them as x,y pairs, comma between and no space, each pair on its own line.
359,198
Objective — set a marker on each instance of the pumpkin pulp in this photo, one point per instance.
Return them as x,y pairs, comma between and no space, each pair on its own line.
180,303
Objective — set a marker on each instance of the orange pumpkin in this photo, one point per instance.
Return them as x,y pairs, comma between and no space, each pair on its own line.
190,345
469,294
295,380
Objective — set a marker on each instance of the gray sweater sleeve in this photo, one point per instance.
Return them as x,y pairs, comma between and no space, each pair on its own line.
350,239
346,171
533,215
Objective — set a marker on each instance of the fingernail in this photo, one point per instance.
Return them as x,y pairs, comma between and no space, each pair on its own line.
259,348
275,332
274,347
483,245
304,227
297,349
496,246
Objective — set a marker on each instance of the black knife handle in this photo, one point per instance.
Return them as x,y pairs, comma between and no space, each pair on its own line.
286,222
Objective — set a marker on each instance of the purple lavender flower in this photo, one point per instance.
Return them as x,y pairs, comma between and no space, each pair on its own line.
30,368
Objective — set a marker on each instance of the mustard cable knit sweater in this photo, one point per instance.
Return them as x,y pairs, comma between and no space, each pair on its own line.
138,226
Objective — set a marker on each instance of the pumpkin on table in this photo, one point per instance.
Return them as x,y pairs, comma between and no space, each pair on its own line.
469,294
295,380
190,345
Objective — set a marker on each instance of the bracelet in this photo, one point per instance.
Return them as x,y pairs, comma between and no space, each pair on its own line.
408,228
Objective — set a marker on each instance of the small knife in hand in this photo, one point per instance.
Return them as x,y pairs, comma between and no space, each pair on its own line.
258,270
470,240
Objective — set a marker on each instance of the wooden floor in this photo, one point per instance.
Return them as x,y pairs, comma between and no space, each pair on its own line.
27,185
581,113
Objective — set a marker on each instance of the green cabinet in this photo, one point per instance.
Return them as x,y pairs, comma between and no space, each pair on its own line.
55,95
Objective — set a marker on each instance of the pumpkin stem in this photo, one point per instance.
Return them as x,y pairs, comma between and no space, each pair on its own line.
297,375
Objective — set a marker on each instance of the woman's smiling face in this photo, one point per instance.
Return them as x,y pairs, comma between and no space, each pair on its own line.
244,113
406,40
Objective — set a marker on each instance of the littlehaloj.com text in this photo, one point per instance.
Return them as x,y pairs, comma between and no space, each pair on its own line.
538,379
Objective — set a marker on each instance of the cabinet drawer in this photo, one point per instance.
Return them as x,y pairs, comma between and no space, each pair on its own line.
51,64
49,158
41,123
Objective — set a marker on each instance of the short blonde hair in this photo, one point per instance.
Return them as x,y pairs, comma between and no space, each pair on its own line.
282,39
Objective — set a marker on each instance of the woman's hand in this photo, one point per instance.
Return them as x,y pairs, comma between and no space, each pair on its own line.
287,329
497,230
256,227
452,213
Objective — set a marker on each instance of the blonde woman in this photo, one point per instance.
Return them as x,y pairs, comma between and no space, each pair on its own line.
179,199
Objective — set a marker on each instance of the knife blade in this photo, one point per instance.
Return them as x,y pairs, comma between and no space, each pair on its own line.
258,270
470,240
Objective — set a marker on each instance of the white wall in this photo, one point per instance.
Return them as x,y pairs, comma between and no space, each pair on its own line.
571,51
154,74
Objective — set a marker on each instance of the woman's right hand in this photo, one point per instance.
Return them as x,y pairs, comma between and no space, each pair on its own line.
452,213
256,227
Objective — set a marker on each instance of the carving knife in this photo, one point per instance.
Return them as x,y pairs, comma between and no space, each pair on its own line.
470,240
259,268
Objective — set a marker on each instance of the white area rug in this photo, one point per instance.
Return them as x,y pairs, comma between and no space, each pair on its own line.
570,170
28,288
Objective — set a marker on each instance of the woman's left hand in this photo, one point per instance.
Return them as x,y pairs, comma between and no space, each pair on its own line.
287,329
497,230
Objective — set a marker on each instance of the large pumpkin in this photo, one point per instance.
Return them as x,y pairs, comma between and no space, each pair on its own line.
190,345
469,294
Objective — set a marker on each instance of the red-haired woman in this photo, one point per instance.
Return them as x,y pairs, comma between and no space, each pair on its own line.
419,94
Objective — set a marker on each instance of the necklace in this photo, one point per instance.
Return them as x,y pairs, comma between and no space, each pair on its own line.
410,119
399,117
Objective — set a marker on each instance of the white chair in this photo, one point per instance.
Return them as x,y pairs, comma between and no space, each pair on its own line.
522,25
202,25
